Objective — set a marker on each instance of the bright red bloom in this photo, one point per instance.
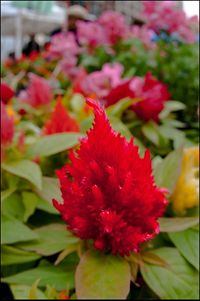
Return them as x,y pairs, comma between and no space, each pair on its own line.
39,92
60,121
152,94
7,127
109,192
6,93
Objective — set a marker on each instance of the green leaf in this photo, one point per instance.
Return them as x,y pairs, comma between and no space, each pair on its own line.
47,273
25,169
150,131
11,255
175,224
52,239
178,281
46,206
118,108
171,106
33,290
13,206
151,257
21,292
187,242
12,230
120,127
50,190
30,201
6,193
53,144
166,172
100,276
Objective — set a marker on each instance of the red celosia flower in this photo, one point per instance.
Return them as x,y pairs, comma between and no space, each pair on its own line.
151,92
109,192
7,127
39,92
6,93
60,121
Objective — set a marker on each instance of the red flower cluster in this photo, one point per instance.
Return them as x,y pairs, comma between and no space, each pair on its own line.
152,95
7,127
6,93
109,192
60,121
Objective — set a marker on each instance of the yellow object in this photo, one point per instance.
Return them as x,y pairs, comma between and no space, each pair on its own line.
12,113
186,192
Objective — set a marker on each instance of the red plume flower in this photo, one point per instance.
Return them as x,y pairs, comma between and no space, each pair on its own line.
109,192
6,93
60,121
7,126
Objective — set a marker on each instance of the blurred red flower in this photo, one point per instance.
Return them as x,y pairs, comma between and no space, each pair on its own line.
60,121
108,190
39,92
6,92
7,126
151,92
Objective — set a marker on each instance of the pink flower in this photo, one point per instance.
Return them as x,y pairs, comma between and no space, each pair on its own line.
143,34
63,45
39,93
114,26
164,15
99,83
90,34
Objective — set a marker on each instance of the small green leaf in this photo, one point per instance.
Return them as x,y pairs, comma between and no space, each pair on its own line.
50,190
175,224
150,131
25,169
12,230
11,255
118,108
166,172
52,239
187,242
21,292
6,193
171,106
120,127
13,206
178,281
53,144
30,201
33,290
151,257
47,273
101,276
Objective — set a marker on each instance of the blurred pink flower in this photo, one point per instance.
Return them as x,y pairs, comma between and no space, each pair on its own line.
39,93
90,34
144,34
114,25
164,15
63,45
99,83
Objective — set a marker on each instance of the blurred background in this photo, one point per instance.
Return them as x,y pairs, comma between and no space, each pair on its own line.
20,19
